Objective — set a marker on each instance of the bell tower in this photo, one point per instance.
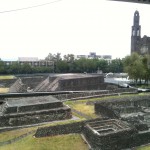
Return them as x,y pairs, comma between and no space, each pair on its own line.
136,33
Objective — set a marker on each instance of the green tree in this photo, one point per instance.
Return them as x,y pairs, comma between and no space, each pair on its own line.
26,68
103,65
62,67
2,67
15,68
116,66
135,67
146,60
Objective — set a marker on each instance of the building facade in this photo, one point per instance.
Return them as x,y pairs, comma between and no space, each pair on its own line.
93,55
138,44
32,61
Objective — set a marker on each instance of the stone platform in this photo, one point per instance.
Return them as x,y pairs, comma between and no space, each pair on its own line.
59,82
135,111
32,110
109,134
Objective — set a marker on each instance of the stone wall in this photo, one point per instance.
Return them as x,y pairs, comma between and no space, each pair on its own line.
81,95
76,127
132,110
23,83
60,129
86,83
116,107
115,141
6,83
18,119
31,108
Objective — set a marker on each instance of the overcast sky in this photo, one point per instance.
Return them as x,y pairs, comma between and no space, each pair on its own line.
68,27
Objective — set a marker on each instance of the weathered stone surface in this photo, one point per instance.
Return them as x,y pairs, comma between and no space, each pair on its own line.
33,110
133,110
109,134
23,83
59,82
60,129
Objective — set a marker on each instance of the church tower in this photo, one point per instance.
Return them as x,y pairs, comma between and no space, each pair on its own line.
136,33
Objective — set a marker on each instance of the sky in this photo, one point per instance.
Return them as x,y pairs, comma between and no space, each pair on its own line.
68,27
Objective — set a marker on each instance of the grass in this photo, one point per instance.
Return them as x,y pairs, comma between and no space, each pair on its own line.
7,77
144,148
86,109
60,142
5,136
4,90
82,107
63,142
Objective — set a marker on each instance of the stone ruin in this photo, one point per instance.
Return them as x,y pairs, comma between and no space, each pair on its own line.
109,134
124,124
32,110
100,133
21,84
133,111
59,82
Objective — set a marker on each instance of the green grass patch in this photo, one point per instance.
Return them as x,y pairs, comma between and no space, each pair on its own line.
147,147
144,148
83,108
86,109
4,90
8,135
60,142
5,136
7,77
81,105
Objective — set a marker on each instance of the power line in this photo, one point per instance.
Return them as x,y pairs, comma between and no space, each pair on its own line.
30,7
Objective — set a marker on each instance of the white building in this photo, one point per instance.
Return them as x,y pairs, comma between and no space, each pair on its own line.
93,55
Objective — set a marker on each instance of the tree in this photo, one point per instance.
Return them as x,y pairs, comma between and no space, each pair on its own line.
146,60
135,67
69,58
62,67
116,66
102,65
26,68
53,57
2,67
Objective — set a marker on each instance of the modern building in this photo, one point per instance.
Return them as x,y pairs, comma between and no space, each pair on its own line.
93,55
139,44
33,61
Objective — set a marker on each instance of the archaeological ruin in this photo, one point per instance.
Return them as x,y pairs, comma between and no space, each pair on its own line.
133,111
58,82
32,110
124,124
121,123
111,134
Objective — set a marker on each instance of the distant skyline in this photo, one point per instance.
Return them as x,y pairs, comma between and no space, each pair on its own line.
68,27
